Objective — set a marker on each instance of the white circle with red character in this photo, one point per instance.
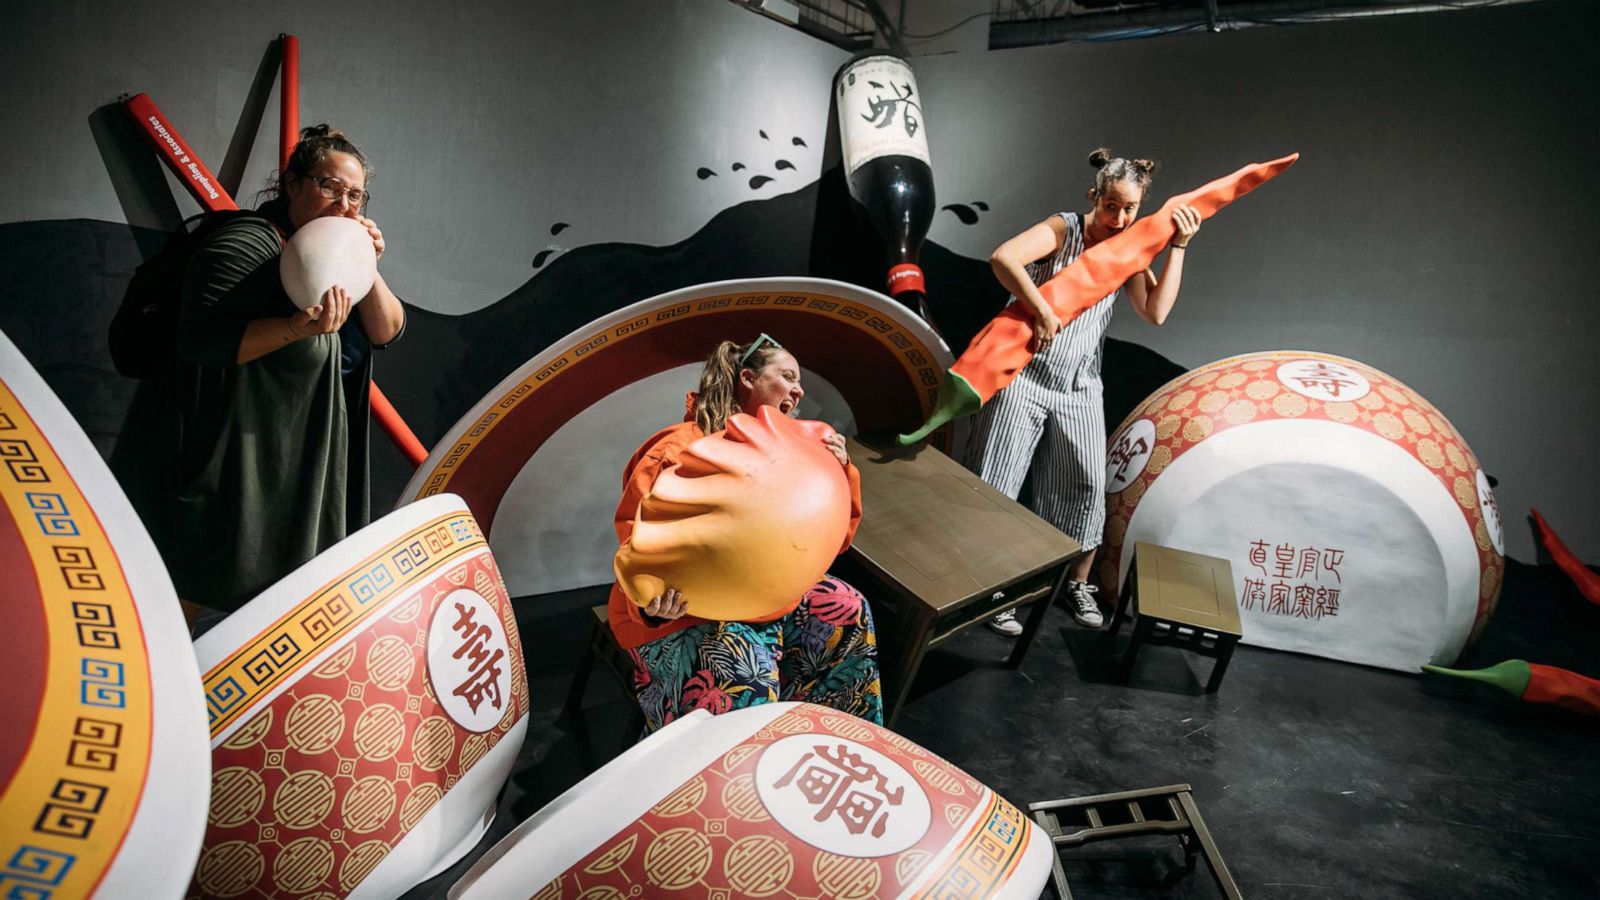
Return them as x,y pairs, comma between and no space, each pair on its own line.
1491,513
1322,380
1126,456
840,796
469,661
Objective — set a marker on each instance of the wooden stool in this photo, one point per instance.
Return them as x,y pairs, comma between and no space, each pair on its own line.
1162,810
1181,599
602,645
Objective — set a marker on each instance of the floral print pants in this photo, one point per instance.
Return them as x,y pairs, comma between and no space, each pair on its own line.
823,652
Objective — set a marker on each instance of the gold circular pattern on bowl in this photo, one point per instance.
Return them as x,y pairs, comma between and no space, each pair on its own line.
302,865
1388,425
845,877
379,732
1239,412
368,804
304,799
1428,452
418,802
1262,390
1232,380
1167,427
1197,428
1289,405
314,724
758,866
433,742
390,662
1213,402
741,801
1416,421
236,796
1159,459
1180,400
251,732
230,869
1341,411
677,858
360,863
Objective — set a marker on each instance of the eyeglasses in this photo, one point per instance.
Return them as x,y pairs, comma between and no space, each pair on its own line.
756,345
333,189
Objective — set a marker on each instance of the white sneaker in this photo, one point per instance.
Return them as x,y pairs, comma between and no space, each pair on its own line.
1085,609
1005,623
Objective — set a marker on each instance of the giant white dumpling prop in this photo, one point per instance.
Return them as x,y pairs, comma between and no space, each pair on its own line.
748,520
1359,525
328,251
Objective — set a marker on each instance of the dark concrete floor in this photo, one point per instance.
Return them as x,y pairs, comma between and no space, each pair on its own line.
1317,778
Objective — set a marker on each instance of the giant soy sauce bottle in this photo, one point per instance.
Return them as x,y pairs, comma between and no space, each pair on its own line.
885,147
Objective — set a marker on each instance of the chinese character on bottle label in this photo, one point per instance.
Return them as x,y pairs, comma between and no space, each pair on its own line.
469,661
1491,513
841,796
880,112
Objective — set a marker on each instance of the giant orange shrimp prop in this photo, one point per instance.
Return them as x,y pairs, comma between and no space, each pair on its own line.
749,519
1000,350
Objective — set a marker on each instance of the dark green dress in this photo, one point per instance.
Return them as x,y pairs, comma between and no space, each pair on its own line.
244,472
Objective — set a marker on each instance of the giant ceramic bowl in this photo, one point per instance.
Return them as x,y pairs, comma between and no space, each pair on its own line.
365,712
103,757
774,800
1358,524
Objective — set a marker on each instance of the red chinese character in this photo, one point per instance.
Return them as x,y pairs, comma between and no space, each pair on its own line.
1124,453
1331,561
1284,555
1304,595
1327,602
1254,592
1258,555
1278,602
483,668
1308,562
834,790
1325,377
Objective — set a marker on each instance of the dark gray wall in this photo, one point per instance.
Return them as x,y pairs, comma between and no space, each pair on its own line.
1438,225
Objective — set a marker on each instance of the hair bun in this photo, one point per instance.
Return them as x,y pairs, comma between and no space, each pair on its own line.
1100,157
322,131
1147,166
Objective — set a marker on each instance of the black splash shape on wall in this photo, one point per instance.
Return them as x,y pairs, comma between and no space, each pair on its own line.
966,214
703,173
738,166
758,181
782,164
72,274
559,227
797,142
763,135
963,213
543,256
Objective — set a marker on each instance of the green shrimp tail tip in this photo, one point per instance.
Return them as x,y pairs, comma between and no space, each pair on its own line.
1510,676
956,399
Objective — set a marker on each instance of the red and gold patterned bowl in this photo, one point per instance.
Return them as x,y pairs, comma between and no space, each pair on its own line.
1358,523
365,712
774,800
103,759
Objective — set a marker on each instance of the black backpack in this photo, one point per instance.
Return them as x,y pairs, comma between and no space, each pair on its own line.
144,332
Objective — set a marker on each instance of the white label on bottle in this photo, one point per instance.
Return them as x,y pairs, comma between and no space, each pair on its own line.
880,112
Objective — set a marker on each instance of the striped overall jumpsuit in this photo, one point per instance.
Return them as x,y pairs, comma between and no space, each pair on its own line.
1051,419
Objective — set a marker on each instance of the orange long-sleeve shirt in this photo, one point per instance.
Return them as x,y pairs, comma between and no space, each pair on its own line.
656,455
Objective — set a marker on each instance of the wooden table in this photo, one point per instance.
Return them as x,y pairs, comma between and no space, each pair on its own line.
935,545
